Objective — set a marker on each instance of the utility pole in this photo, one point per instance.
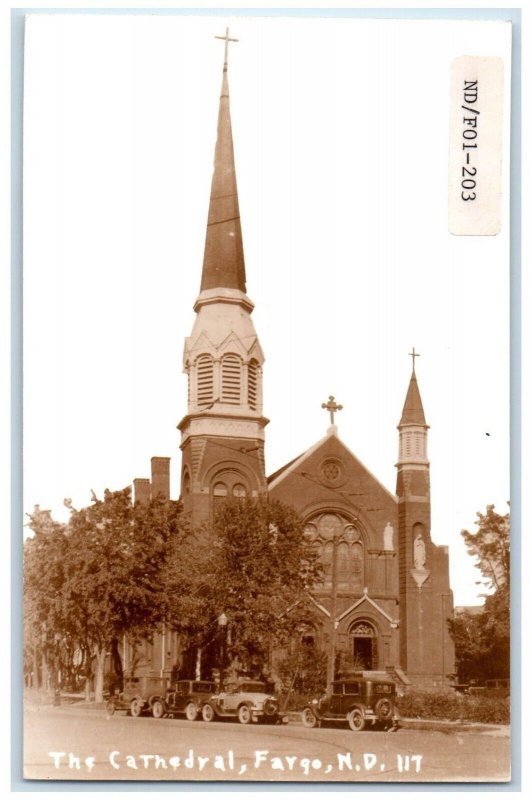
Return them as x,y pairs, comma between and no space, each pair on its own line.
334,588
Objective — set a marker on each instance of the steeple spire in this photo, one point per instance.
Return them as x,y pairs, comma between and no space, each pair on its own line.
413,413
222,433
223,261
413,427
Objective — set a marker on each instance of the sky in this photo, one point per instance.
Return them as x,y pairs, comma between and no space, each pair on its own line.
341,145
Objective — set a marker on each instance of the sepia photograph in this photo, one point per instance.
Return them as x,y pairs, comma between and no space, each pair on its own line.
266,404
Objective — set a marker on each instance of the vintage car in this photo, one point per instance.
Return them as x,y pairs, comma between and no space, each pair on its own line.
245,700
139,696
184,697
358,700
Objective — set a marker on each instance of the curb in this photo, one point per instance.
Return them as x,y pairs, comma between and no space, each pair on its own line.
441,725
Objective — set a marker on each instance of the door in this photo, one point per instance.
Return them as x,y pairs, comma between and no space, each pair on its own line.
365,654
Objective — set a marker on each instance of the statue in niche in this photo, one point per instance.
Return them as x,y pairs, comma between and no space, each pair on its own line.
420,556
388,536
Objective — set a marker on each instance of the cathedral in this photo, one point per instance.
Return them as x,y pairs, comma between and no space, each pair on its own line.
385,598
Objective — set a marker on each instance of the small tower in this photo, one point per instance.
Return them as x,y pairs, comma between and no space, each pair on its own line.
425,599
222,434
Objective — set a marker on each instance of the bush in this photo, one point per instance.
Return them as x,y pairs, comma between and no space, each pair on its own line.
296,700
446,706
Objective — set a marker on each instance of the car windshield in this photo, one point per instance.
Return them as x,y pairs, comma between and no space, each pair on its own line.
383,688
203,687
254,686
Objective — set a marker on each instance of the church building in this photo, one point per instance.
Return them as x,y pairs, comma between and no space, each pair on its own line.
385,598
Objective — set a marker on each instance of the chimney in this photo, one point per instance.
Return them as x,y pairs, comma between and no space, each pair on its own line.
160,477
141,490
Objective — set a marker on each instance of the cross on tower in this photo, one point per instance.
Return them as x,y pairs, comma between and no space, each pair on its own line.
414,356
332,407
226,39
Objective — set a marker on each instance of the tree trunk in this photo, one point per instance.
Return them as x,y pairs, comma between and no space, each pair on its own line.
44,673
118,684
100,673
36,680
87,668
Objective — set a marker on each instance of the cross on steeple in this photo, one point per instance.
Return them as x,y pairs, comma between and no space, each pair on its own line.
226,39
414,356
332,407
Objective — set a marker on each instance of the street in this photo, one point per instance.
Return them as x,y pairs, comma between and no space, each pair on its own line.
80,743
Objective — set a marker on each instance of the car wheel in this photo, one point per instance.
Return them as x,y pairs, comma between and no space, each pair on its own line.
157,709
356,720
270,707
384,709
207,713
191,712
110,707
309,718
135,708
244,715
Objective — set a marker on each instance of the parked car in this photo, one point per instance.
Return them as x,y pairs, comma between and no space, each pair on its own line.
245,700
140,696
358,700
184,697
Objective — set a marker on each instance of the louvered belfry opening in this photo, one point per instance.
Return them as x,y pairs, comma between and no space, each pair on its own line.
205,380
252,384
231,379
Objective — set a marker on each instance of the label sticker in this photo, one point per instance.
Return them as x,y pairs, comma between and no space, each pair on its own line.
475,146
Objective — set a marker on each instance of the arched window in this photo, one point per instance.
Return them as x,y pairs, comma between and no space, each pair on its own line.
342,565
253,370
239,490
338,539
219,494
204,380
357,566
231,379
326,560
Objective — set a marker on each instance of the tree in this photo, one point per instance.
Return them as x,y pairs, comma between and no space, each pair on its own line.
252,564
44,580
482,640
117,554
99,577
490,544
471,647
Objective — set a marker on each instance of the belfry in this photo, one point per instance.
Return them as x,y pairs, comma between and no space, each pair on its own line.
222,434
384,600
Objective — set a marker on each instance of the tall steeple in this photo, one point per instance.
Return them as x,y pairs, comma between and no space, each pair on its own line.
222,434
425,600
223,262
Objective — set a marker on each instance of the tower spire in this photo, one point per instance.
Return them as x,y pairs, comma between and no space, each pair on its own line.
413,413
222,433
223,261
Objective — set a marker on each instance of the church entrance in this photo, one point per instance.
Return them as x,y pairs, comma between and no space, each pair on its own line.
365,654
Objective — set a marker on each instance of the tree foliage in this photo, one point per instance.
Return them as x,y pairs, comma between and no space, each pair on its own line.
99,576
490,545
482,640
120,569
252,564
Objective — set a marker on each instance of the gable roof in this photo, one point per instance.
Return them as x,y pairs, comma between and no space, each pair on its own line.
292,466
366,598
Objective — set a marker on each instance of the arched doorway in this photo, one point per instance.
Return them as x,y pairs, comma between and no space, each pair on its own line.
364,645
